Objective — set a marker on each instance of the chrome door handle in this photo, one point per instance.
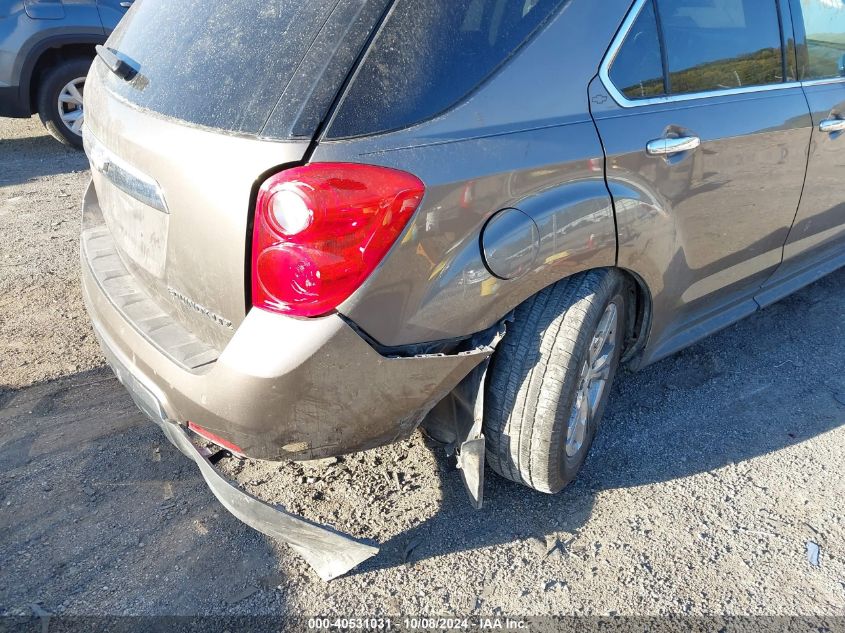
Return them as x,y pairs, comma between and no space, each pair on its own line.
832,125
669,146
127,4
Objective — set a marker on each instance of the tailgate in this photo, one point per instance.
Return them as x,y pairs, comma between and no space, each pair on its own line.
176,200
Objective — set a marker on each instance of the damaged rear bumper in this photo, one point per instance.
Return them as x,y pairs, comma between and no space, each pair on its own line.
281,389
330,553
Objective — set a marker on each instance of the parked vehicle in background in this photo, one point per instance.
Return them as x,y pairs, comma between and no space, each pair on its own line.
312,229
46,48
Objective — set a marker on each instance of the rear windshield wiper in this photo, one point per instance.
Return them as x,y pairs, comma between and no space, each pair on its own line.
115,64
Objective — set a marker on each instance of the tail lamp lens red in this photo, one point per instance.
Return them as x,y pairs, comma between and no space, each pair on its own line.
321,229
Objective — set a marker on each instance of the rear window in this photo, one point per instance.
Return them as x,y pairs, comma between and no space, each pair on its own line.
226,64
430,55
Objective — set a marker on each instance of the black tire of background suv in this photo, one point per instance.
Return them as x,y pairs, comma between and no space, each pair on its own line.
534,376
48,95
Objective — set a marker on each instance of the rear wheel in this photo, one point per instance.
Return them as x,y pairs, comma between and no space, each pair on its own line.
60,100
550,377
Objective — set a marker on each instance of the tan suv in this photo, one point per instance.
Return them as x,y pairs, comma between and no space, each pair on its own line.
313,229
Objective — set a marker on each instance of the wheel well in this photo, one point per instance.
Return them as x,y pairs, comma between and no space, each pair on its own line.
51,57
639,317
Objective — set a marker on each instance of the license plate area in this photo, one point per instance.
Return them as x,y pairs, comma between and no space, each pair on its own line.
133,208
139,231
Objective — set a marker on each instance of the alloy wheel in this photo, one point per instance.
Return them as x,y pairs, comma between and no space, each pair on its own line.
595,374
70,105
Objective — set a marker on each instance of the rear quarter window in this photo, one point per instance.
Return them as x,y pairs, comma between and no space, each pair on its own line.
430,55
638,68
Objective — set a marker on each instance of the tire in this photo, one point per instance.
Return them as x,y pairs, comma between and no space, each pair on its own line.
536,374
52,85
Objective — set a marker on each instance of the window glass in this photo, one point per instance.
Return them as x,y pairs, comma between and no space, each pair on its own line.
824,22
721,44
225,63
429,55
637,70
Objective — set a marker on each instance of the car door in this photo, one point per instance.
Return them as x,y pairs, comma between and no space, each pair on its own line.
816,242
111,11
706,132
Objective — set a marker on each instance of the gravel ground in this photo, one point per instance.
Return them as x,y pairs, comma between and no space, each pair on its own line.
714,472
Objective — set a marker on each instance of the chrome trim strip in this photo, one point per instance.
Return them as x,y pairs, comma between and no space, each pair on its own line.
622,100
823,82
122,175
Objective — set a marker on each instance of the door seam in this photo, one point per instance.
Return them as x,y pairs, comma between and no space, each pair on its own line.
800,197
604,169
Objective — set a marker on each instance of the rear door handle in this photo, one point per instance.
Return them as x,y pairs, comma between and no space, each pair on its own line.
669,146
830,126
127,3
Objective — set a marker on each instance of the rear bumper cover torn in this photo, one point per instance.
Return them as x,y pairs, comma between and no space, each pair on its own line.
329,552
281,388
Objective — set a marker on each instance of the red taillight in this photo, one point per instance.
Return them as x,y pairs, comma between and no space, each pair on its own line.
321,229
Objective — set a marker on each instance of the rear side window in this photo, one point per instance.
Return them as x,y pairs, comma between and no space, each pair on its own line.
721,44
429,55
824,23
700,46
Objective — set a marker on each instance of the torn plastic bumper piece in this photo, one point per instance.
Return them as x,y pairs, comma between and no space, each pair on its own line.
329,552
458,419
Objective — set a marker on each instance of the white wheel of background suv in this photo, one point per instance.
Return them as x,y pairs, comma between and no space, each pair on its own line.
60,100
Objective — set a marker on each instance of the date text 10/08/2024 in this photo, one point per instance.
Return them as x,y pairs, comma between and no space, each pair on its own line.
421,623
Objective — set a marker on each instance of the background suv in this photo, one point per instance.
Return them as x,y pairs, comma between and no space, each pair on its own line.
46,48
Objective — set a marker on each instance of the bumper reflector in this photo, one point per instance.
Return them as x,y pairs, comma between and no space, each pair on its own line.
211,437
